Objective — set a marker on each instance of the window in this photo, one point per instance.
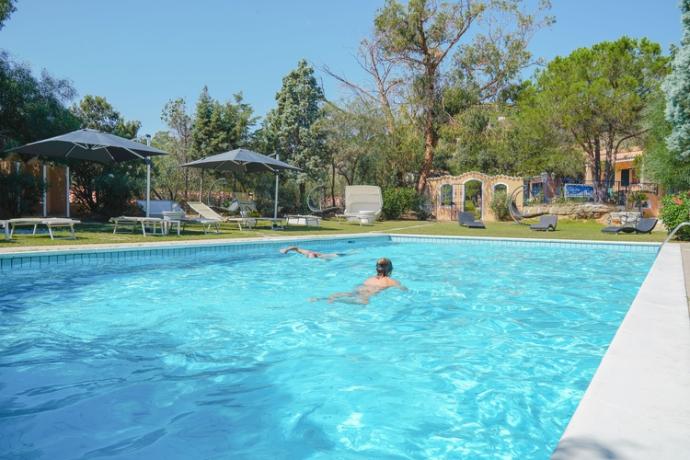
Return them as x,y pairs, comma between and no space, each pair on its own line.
625,177
446,195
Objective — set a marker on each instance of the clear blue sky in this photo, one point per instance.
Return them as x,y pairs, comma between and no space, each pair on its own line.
139,54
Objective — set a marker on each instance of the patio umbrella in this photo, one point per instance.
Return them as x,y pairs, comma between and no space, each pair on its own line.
243,160
93,145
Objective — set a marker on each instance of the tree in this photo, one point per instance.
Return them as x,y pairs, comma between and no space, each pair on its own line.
659,162
179,143
32,108
292,129
95,112
423,33
597,97
352,133
106,190
6,9
677,89
219,127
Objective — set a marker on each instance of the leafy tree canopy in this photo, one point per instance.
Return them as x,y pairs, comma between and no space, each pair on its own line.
677,89
32,108
6,9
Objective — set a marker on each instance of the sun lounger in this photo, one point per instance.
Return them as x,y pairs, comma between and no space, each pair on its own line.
211,217
5,225
644,225
141,221
546,224
466,219
50,223
363,204
304,220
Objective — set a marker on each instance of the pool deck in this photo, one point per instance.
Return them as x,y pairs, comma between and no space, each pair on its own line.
637,405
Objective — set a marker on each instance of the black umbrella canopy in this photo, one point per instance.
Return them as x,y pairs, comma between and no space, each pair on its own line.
241,160
89,145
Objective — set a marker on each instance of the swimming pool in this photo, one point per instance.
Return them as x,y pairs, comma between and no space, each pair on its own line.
219,353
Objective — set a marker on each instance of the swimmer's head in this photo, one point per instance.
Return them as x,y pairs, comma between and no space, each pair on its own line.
384,267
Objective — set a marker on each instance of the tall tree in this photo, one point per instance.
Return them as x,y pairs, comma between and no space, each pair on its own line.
597,96
659,162
218,127
178,142
106,190
677,89
292,126
96,112
32,108
423,33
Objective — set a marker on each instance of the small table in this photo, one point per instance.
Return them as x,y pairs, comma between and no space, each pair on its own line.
170,219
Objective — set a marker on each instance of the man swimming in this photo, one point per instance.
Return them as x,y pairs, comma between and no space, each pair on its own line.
308,253
372,285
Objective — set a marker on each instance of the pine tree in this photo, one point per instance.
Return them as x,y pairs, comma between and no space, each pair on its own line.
293,125
677,89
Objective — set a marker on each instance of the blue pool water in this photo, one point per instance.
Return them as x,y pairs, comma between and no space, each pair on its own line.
224,357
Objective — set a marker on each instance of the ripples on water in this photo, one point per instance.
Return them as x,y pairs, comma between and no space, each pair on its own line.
485,356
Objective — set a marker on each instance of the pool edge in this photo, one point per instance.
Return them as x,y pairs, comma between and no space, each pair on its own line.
637,405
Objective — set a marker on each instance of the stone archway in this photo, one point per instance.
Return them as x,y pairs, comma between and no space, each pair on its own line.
448,193
473,197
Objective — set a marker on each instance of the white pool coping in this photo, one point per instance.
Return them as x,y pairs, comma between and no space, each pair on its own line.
637,405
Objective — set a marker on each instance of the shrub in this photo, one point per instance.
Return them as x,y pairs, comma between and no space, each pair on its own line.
499,205
676,209
397,201
19,193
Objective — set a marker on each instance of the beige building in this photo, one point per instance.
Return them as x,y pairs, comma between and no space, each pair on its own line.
627,180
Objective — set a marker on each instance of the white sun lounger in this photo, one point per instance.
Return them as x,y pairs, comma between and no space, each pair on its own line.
5,225
49,222
142,221
363,204
205,212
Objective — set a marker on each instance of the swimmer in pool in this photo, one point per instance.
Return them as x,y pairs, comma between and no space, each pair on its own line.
308,253
372,285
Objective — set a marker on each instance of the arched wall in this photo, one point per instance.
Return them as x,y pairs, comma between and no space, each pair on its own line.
488,183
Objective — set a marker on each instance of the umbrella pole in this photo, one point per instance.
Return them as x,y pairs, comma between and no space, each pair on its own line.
275,199
44,174
148,185
67,187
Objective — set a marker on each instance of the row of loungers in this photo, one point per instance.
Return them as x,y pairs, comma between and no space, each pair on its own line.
546,223
549,223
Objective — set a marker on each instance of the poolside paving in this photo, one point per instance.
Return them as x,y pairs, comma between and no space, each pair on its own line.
685,252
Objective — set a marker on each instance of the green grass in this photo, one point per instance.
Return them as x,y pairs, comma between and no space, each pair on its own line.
100,233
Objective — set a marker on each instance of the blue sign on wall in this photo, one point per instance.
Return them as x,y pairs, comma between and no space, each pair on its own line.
578,191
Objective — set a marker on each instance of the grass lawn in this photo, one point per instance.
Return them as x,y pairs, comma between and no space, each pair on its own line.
102,233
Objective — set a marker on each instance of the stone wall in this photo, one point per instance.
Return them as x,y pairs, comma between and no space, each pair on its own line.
457,182
572,210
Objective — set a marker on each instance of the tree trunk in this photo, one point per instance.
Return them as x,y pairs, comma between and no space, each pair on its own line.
599,193
333,184
302,190
430,132
429,145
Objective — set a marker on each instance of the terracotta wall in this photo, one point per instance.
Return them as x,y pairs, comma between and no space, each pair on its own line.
457,182
56,185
